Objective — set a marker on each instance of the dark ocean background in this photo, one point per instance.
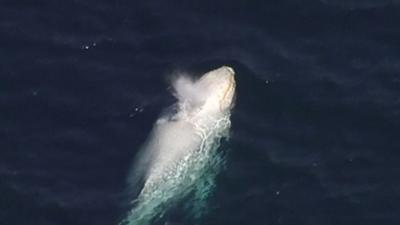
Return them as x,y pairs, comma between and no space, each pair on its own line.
315,131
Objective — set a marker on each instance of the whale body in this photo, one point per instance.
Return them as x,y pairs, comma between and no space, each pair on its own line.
180,158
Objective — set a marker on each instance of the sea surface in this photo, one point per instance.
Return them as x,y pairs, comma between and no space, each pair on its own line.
315,130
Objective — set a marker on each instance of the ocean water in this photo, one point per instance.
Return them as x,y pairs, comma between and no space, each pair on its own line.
315,129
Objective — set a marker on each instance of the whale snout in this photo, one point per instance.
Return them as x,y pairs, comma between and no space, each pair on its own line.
220,85
227,99
229,69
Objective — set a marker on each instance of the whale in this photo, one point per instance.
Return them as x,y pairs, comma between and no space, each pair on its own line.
180,160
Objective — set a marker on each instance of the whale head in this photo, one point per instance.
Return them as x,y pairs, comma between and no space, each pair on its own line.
219,86
212,93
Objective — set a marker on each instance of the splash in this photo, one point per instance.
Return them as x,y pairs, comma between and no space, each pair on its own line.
187,92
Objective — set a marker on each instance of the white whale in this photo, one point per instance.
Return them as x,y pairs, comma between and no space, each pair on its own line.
180,157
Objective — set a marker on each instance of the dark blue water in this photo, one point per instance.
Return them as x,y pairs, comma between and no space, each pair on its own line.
315,136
